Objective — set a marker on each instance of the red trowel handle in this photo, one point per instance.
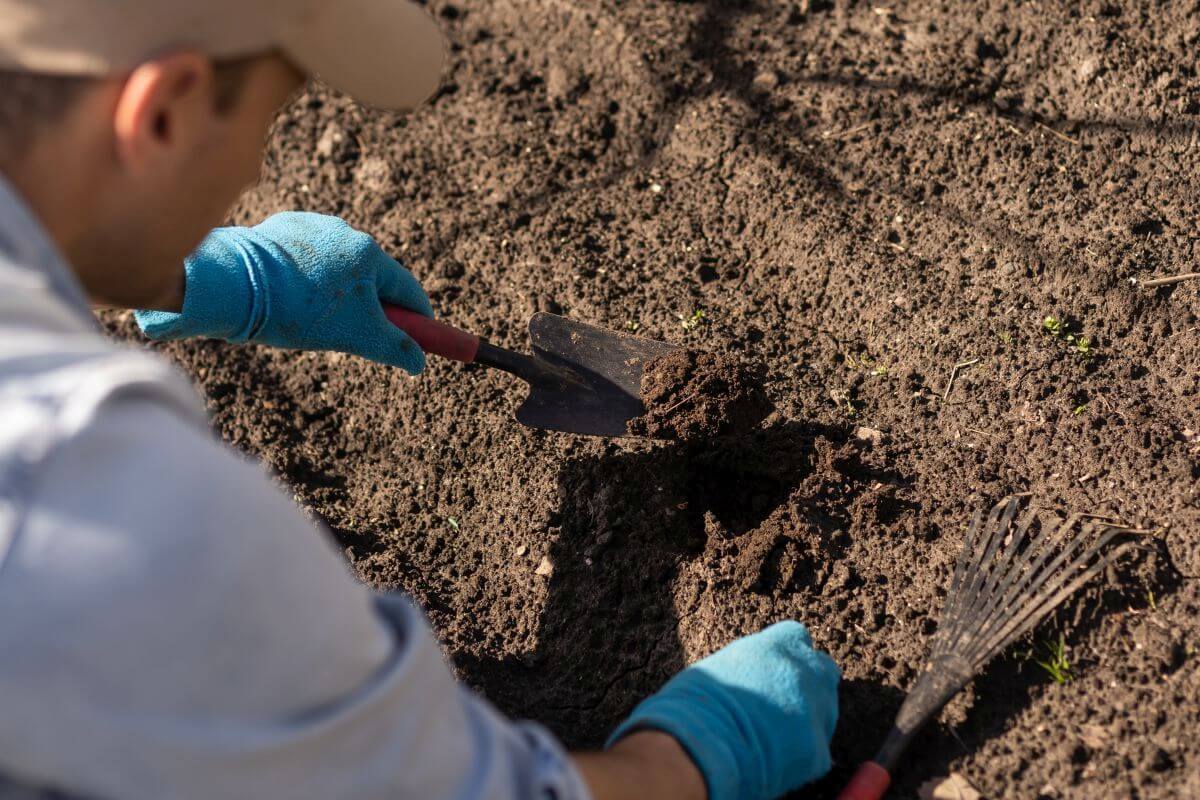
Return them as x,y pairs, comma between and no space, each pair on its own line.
869,783
434,337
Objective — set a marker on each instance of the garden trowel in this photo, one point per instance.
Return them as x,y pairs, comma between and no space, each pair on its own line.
582,379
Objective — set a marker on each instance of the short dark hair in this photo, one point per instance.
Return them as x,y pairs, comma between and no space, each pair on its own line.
30,100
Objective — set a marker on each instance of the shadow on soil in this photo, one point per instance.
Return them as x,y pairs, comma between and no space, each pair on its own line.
608,633
627,522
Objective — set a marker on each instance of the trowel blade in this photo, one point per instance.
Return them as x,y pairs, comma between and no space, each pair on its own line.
602,388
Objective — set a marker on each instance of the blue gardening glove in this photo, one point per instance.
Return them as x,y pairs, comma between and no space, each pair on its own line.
756,717
298,280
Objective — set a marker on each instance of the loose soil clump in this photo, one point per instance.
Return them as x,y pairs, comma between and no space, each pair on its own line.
692,395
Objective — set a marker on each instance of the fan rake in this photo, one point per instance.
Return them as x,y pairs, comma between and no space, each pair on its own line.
1009,577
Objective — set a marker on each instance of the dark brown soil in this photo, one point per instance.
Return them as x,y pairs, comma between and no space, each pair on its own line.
692,395
864,195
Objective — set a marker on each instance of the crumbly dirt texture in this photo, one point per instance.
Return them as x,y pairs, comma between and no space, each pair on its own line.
692,395
882,201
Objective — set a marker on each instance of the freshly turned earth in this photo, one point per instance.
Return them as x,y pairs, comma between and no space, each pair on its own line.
692,395
861,195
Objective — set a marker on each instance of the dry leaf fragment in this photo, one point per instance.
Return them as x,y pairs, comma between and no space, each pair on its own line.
951,787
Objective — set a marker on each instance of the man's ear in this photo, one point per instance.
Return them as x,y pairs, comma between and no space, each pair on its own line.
164,106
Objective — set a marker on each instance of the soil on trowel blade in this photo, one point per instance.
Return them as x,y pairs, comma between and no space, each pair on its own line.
692,395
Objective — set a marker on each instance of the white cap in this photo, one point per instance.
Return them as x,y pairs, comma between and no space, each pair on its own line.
385,53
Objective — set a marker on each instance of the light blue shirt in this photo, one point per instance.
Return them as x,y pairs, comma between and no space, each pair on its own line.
171,626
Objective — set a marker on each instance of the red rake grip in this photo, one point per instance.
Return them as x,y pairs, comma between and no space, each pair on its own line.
434,337
869,783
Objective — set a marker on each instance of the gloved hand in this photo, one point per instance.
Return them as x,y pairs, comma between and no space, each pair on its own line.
298,280
756,717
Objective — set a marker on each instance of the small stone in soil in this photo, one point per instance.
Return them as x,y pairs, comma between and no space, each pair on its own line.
692,395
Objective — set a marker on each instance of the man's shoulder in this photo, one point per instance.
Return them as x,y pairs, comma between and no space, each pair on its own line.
57,372
61,381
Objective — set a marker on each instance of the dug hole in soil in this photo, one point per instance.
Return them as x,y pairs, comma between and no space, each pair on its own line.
882,204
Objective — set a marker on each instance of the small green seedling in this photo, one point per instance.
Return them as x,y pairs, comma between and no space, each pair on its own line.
1005,337
690,323
865,362
844,401
633,326
1057,665
1082,345
1079,409
452,522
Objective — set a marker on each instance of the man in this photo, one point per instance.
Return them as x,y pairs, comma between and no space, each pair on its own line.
170,626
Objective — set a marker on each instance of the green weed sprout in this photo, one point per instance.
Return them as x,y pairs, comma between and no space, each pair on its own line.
1082,345
693,321
1057,666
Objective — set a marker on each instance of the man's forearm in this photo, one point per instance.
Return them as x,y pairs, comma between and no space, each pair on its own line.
643,764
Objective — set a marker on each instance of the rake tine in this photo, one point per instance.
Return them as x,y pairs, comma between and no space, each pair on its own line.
1039,549
1002,570
1054,592
960,566
1057,576
982,544
1037,572
1035,615
954,596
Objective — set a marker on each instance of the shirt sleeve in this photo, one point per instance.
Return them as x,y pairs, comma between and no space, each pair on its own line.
174,628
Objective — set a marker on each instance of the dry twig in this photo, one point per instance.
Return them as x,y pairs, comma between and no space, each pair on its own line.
847,132
1187,276
954,375
1057,133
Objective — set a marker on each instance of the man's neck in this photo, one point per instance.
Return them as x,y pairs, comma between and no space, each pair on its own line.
50,184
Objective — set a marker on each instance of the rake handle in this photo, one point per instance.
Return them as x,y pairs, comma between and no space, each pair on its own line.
870,782
439,338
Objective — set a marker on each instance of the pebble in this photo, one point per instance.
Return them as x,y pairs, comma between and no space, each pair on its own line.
558,83
766,80
1087,69
864,434
546,568
522,550
950,787
331,137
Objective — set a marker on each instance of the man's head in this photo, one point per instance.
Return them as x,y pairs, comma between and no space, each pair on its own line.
132,130
31,100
